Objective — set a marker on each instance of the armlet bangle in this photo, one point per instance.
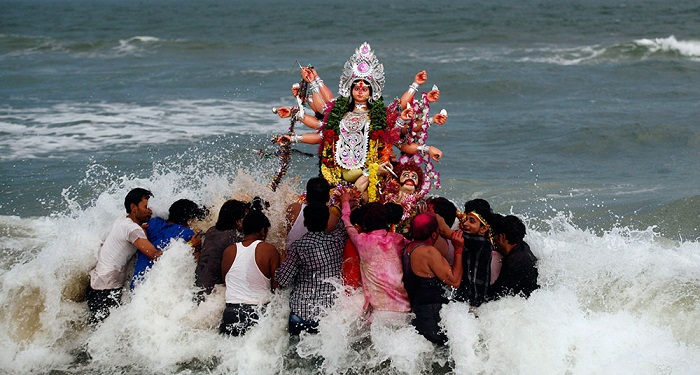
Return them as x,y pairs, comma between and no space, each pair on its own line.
413,88
315,87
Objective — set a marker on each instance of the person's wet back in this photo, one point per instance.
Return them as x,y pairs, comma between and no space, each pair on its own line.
248,268
380,260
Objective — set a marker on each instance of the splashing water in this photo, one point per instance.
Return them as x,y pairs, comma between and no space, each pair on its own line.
625,301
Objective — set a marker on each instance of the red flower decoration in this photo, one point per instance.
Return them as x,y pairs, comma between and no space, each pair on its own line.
377,134
391,136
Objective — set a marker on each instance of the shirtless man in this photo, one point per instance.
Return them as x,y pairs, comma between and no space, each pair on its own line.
425,271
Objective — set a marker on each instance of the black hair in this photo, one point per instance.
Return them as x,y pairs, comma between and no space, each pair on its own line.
257,204
316,217
254,222
356,216
511,226
373,217
394,212
477,203
318,190
446,209
183,210
231,211
135,196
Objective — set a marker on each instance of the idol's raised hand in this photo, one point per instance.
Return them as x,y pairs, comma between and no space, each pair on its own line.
308,74
282,112
421,77
407,114
440,118
433,96
435,153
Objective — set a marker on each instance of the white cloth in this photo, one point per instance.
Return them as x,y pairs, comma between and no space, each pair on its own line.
118,248
298,229
245,283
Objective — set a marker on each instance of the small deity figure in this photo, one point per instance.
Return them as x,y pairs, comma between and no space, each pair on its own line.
405,190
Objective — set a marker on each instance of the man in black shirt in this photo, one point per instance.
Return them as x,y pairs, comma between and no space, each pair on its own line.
519,271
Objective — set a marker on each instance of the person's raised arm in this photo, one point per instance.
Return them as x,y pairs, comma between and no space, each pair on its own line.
444,229
451,276
352,231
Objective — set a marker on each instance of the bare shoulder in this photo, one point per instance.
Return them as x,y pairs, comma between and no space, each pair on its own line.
267,248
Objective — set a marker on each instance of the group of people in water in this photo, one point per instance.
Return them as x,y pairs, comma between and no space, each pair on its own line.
366,220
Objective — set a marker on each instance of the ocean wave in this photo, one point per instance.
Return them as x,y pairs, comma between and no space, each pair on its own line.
637,50
136,45
689,48
20,45
75,127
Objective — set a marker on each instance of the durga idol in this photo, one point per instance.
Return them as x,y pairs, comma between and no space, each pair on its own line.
357,131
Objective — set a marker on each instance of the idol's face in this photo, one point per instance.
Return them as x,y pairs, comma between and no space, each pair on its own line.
361,92
408,178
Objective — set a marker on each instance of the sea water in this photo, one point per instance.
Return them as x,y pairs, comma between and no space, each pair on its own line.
579,117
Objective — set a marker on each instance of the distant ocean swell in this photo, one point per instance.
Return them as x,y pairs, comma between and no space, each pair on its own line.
645,48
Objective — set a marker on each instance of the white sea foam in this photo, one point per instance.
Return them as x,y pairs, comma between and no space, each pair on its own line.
136,45
73,127
563,56
624,302
690,48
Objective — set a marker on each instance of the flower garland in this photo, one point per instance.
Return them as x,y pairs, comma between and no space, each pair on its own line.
419,135
373,183
378,148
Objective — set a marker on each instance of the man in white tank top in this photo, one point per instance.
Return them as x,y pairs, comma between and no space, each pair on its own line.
248,268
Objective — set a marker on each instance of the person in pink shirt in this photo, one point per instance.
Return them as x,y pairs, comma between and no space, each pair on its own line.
380,260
